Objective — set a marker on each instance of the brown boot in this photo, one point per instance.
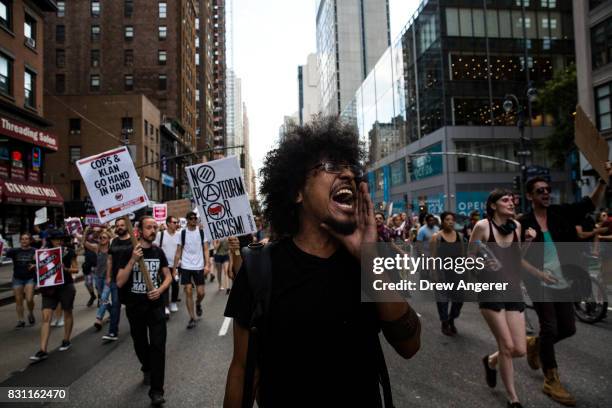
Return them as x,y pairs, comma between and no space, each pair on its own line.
553,388
533,352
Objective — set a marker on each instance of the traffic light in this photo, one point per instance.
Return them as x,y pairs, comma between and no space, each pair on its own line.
242,160
516,183
410,165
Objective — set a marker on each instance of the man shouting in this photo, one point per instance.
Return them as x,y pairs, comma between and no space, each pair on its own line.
319,345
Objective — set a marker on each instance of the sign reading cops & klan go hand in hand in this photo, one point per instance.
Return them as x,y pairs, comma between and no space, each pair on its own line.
112,183
223,203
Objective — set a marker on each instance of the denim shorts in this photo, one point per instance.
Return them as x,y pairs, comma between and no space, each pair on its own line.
22,282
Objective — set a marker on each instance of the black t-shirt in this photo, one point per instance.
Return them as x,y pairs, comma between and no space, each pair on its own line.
121,251
588,225
134,292
319,346
22,260
68,255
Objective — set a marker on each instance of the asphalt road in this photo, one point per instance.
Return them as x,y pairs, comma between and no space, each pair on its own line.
447,372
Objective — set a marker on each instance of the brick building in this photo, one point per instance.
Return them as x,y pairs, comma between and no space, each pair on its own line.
124,48
24,137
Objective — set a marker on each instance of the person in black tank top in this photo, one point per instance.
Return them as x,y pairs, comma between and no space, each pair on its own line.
505,319
448,243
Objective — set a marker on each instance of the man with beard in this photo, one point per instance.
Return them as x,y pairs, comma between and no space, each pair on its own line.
318,346
553,224
119,254
145,308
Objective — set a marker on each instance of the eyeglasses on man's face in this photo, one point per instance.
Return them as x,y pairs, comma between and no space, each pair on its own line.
543,190
338,168
192,218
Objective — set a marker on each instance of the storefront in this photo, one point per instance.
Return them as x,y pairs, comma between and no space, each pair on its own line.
23,148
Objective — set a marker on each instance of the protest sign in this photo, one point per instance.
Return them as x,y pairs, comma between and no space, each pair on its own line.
40,216
73,226
49,267
92,220
218,190
113,185
183,222
160,212
592,145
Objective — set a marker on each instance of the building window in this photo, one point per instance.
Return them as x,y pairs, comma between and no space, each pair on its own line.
602,107
146,128
128,8
151,130
129,33
95,8
128,58
94,82
163,32
75,126
60,33
60,83
29,88
75,190
163,9
601,43
197,59
61,8
29,31
60,58
6,74
162,82
161,57
129,82
6,14
95,33
74,153
95,58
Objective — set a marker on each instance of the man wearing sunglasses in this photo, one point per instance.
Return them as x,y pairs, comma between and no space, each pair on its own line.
318,345
553,224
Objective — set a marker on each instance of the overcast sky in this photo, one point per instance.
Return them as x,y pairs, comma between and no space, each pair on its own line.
271,38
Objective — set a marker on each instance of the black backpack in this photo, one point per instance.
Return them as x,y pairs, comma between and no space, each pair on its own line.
183,235
259,275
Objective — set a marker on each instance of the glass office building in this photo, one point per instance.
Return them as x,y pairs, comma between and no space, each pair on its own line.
440,88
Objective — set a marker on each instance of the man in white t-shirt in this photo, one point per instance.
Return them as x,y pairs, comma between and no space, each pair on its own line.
168,240
193,261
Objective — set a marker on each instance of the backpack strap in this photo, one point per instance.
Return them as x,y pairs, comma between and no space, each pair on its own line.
259,276
161,239
383,376
183,235
201,236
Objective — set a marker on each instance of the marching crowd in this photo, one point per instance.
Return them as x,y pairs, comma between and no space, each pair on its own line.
320,214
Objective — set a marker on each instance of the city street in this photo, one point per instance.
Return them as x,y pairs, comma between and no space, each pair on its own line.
447,372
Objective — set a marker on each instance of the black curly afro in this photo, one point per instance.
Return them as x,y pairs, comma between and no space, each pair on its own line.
286,167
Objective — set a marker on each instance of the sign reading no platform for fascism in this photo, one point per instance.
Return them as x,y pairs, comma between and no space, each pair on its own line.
223,203
112,183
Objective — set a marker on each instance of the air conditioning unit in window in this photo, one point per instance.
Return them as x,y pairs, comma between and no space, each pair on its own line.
31,42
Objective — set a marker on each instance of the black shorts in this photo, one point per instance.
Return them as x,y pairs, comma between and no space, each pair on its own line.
188,276
221,258
498,306
63,294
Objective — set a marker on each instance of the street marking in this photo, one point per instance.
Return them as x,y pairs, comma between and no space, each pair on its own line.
225,326
610,308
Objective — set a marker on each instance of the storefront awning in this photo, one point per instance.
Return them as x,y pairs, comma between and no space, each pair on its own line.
22,192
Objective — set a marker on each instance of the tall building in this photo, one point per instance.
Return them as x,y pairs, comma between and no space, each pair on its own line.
219,73
351,37
25,138
593,31
440,88
125,48
205,81
308,89
234,113
248,167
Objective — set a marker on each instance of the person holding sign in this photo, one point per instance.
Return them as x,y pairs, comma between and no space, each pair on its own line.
145,309
24,278
192,259
63,294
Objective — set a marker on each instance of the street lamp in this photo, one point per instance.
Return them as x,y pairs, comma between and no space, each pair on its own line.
510,102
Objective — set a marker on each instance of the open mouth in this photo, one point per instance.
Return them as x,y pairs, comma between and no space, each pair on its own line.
344,197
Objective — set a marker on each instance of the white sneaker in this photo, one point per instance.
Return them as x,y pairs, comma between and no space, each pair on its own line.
60,322
167,312
173,307
53,322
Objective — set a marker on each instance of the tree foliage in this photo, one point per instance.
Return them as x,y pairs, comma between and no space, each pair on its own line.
558,99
